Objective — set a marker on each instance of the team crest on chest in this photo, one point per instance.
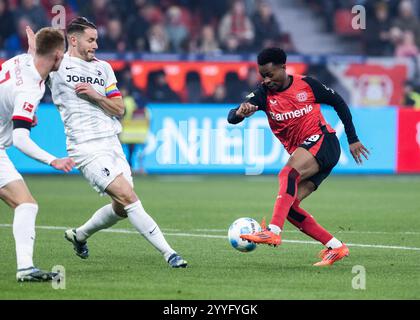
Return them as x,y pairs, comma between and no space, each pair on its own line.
302,96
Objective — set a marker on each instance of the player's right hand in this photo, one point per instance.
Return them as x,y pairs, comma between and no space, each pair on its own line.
63,164
246,109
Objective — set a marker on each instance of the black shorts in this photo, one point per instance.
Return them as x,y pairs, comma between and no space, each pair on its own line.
326,150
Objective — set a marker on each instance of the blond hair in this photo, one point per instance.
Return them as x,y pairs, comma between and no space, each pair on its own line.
48,40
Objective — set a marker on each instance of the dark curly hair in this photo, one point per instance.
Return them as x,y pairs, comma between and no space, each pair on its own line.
274,55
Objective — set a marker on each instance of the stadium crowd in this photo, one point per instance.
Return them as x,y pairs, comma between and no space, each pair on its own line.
212,27
180,26
193,26
392,26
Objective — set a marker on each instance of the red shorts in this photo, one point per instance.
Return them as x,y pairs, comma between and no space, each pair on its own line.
326,149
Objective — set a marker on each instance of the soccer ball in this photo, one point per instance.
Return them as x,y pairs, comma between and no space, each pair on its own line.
243,226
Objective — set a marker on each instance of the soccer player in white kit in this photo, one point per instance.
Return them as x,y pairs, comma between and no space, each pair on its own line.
85,91
22,85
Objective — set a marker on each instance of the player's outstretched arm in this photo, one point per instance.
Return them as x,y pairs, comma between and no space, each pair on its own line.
255,101
326,95
23,142
245,110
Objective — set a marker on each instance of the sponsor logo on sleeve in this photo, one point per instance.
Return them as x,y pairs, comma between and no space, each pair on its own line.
28,107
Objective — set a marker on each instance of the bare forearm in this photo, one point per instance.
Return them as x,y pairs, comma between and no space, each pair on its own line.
114,107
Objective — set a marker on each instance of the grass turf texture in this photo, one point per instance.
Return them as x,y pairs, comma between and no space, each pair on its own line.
358,210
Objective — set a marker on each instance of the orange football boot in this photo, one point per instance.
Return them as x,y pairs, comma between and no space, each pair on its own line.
329,256
265,236
323,252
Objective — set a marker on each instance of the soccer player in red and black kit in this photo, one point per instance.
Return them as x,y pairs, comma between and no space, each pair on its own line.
292,106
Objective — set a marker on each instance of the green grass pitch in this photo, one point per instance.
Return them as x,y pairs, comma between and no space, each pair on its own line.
379,217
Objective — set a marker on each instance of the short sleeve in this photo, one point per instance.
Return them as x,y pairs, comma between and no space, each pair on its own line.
25,106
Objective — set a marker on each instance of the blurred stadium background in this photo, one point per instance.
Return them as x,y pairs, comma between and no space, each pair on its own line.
181,66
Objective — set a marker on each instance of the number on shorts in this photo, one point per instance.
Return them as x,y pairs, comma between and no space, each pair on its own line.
313,138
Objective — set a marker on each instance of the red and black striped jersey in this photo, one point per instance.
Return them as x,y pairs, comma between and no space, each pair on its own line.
294,114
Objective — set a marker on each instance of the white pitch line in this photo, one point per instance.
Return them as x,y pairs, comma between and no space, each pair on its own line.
65,228
379,246
339,231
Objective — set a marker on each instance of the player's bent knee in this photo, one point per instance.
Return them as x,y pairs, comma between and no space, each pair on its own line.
126,198
14,201
289,172
305,188
27,201
289,176
119,209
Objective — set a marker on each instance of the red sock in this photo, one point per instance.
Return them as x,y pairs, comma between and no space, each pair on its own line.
288,180
307,224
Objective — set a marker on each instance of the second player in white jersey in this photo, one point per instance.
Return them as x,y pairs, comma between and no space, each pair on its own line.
84,120
85,91
22,85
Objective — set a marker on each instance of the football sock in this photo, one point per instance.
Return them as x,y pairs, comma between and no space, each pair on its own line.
147,227
288,180
275,229
307,224
103,218
24,233
334,243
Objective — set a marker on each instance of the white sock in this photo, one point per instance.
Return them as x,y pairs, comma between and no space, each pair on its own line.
148,228
103,218
334,243
275,229
24,233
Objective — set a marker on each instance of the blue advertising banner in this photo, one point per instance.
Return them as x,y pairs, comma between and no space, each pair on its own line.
196,139
49,135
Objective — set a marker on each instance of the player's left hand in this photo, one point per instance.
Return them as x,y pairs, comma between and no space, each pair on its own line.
87,90
357,149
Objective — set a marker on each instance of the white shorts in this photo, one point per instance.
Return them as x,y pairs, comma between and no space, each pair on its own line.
101,161
8,172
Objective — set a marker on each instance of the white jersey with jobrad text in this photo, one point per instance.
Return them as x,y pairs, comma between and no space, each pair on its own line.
84,120
21,90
